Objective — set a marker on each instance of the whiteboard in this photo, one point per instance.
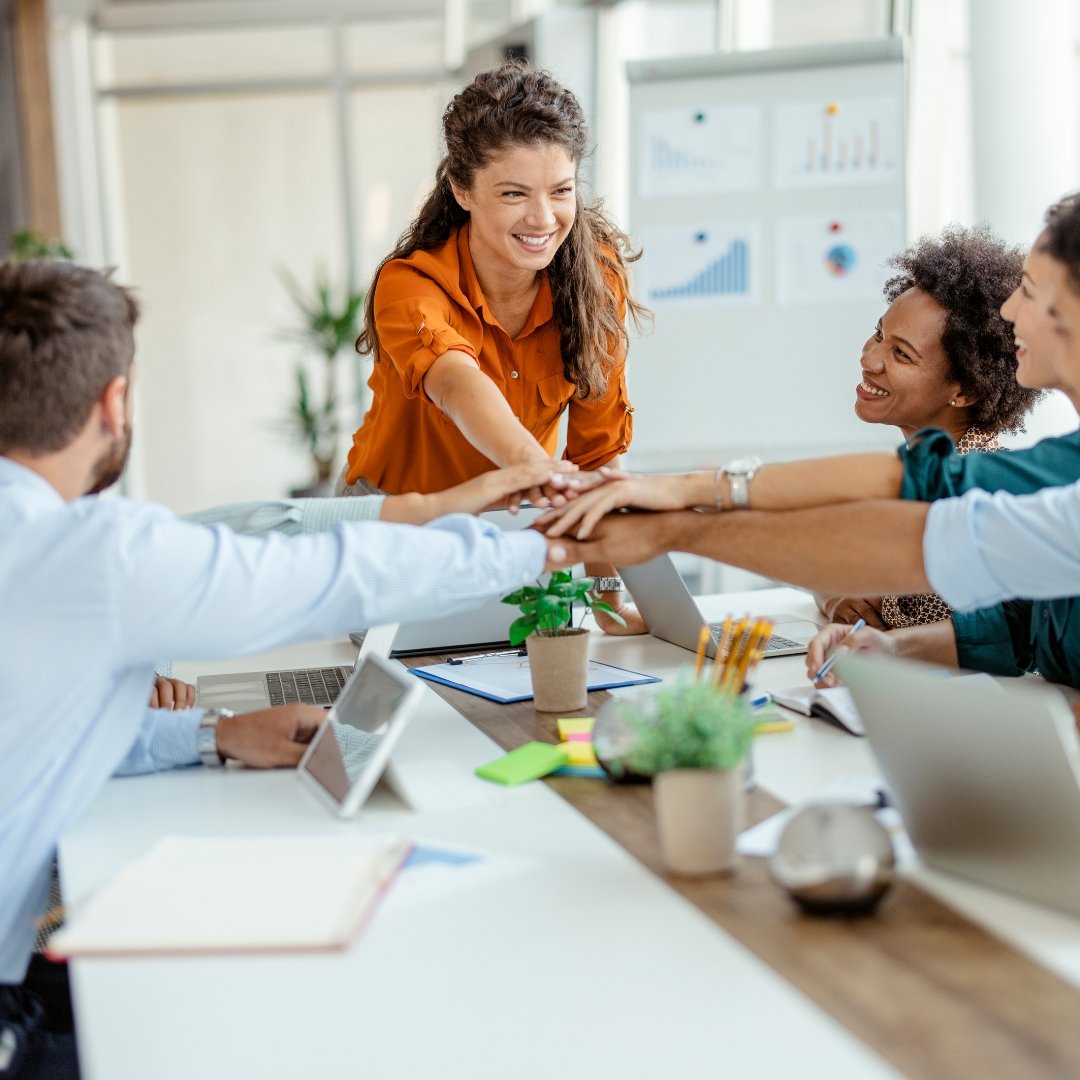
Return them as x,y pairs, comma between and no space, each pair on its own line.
767,192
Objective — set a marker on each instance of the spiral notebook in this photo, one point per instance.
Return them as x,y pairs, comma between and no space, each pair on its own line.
507,679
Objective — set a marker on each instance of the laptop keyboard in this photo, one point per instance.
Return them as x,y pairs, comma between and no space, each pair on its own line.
776,642
312,686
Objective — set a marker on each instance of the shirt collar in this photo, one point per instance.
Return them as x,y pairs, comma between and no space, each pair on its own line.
543,309
14,475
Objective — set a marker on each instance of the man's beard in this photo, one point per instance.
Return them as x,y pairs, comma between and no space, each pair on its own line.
110,466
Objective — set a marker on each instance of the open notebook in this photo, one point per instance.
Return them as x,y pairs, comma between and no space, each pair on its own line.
833,703
235,894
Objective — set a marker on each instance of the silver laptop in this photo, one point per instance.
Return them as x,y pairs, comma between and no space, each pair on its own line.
246,691
671,613
351,751
986,776
482,627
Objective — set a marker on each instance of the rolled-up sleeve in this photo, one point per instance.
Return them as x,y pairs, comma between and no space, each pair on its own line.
985,548
415,325
601,429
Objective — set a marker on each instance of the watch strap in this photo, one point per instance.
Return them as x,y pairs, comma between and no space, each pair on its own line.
207,737
607,584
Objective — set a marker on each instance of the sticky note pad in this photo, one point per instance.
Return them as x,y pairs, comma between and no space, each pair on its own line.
589,772
771,726
576,728
528,762
579,753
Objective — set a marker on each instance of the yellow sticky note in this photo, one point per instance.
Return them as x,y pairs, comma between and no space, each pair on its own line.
769,727
578,753
575,725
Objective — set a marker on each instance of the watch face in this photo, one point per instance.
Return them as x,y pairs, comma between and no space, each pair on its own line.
742,466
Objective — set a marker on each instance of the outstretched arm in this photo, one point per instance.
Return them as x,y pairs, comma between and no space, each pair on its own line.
787,486
862,549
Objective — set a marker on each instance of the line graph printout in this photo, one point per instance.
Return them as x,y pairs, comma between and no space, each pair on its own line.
699,150
824,259
841,143
704,264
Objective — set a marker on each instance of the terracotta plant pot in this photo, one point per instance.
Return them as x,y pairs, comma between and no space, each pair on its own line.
699,814
559,666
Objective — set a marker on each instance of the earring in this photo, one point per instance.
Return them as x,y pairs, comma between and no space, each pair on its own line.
953,404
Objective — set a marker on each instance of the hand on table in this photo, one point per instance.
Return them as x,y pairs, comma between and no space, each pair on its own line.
850,609
269,738
838,636
171,694
635,624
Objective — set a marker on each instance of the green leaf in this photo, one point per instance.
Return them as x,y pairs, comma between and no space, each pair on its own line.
521,628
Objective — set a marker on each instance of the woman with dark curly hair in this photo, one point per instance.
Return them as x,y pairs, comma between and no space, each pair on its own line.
941,356
1009,638
501,307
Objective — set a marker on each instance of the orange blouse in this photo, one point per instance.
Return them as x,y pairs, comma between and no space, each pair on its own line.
432,302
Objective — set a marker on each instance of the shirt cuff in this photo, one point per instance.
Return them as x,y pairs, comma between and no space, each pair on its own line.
320,514
953,557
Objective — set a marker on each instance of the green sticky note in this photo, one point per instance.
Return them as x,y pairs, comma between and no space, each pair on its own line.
528,762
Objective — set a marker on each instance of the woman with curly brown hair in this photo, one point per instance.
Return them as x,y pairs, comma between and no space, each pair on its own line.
941,356
501,307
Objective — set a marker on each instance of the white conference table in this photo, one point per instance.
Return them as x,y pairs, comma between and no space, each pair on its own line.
559,953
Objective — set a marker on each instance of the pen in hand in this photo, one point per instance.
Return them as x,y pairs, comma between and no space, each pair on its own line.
827,666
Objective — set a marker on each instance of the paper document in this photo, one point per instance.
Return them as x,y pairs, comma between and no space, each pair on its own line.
235,894
507,678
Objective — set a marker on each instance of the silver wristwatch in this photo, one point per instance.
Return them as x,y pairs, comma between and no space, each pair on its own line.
607,584
739,473
207,737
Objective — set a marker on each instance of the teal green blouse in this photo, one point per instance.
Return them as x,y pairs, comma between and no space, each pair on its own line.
1019,635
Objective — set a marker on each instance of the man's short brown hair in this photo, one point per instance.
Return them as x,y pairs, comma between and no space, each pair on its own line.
65,332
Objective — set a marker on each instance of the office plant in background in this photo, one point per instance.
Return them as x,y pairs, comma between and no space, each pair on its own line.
29,244
327,325
558,651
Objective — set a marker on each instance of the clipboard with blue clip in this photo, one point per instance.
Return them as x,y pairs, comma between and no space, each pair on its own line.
506,678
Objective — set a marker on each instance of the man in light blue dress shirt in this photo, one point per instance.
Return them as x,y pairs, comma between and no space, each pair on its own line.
95,589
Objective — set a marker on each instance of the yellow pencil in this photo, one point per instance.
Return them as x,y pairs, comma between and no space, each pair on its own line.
722,647
737,675
702,645
738,641
759,651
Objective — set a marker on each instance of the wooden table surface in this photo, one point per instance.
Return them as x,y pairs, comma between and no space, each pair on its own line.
928,990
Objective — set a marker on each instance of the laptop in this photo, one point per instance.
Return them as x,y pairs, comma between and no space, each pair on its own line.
351,750
246,691
986,776
671,613
484,627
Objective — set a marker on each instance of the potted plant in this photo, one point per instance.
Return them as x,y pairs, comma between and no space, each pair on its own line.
558,651
327,326
693,739
28,245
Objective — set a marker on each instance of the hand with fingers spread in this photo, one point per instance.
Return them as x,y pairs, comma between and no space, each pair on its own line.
837,636
171,694
580,516
269,738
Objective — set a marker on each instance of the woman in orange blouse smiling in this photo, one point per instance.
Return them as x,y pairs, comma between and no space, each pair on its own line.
502,307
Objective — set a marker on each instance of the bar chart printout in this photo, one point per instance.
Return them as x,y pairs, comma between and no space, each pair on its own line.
709,264
699,150
841,143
